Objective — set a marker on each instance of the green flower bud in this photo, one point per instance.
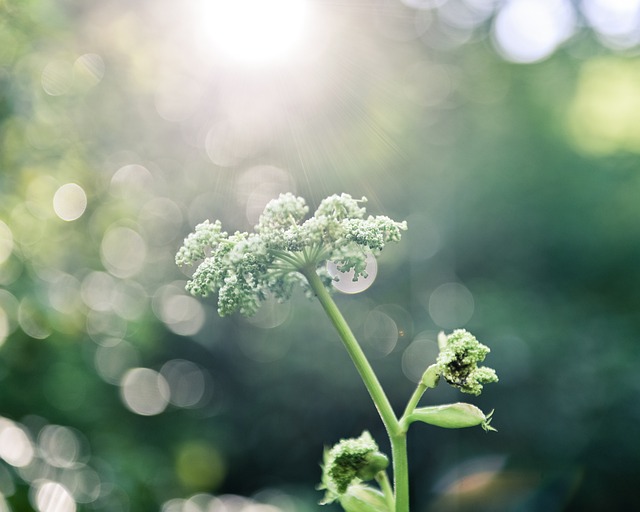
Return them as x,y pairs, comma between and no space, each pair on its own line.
373,464
362,498
460,353
431,376
458,415
351,461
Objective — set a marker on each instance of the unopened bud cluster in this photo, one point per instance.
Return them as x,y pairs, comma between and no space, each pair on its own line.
460,353
351,461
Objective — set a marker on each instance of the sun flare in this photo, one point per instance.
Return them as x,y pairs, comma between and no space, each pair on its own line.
255,32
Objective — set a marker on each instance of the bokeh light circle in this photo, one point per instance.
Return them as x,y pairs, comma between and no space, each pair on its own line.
88,69
271,313
258,185
123,251
528,31
70,201
181,313
186,382
6,242
4,326
144,391
16,447
33,321
616,21
132,181
422,352
451,305
59,446
380,333
57,78
53,497
345,283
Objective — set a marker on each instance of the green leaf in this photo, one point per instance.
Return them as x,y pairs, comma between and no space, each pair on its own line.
458,415
362,498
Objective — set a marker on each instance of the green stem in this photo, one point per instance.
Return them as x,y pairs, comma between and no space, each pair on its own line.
355,351
412,404
396,433
400,471
383,481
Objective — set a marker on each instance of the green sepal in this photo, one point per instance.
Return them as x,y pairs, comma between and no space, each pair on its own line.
362,498
458,415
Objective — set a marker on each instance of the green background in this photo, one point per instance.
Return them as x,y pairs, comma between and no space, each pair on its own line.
520,183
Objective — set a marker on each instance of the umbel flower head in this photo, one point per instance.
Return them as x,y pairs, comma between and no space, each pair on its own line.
246,268
457,363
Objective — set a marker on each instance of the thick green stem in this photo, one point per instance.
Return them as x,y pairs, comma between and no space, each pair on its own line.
400,471
397,434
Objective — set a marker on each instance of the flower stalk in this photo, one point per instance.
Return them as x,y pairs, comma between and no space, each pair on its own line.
355,352
394,430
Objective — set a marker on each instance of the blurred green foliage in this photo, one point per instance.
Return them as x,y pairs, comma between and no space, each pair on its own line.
520,184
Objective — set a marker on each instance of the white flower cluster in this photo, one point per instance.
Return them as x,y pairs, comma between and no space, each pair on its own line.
246,268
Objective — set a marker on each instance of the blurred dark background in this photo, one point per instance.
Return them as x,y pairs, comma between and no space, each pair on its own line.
507,133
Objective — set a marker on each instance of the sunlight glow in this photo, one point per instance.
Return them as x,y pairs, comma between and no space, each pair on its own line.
528,31
255,32
603,115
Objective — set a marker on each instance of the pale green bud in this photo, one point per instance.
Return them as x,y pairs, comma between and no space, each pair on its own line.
362,498
431,376
458,415
374,462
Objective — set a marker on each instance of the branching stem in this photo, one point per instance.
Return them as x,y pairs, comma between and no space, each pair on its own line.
411,405
397,435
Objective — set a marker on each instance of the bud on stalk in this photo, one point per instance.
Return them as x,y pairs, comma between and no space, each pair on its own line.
458,415
361,498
